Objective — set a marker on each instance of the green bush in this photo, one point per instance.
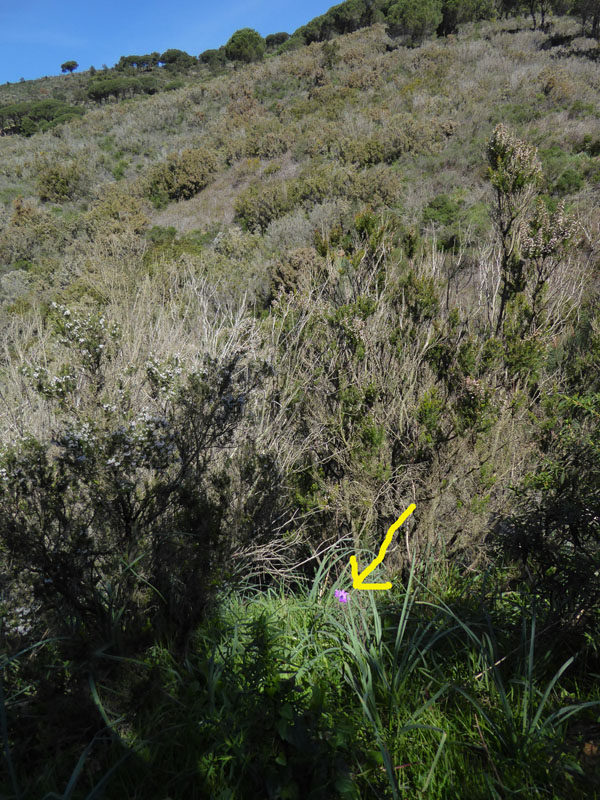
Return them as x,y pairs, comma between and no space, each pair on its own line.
169,87
182,175
569,182
554,532
591,145
442,210
58,182
259,205
159,235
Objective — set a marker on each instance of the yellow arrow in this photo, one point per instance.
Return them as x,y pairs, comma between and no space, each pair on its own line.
358,580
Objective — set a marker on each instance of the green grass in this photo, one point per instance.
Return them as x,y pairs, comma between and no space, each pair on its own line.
289,693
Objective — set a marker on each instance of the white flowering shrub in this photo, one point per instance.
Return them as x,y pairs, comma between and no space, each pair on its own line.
118,522
89,336
532,242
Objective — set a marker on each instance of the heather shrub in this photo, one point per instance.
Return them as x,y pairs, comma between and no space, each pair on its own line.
378,185
60,181
293,269
266,140
129,503
181,176
118,209
362,151
532,239
259,204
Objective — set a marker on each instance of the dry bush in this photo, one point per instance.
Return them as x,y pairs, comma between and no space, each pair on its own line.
291,230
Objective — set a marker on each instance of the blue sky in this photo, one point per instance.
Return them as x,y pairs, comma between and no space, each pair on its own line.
37,36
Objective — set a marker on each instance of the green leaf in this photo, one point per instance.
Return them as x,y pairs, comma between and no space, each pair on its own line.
345,786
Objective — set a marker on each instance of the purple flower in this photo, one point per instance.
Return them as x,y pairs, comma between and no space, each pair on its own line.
341,595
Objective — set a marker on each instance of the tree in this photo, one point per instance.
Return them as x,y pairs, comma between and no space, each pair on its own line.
588,10
273,40
508,8
245,45
415,18
543,7
69,66
457,12
175,59
213,58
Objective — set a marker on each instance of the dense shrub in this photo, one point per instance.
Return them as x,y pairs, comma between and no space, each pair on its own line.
293,268
120,490
266,140
59,181
118,210
554,532
182,175
258,205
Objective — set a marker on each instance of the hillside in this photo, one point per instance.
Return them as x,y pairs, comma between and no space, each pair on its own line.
248,317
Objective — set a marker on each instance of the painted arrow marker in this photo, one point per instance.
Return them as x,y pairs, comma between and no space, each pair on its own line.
358,580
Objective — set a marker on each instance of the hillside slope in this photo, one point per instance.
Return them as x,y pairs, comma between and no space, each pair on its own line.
250,320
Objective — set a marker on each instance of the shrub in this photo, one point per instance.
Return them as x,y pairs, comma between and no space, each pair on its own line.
117,210
363,151
569,182
159,235
442,210
266,140
554,531
293,268
259,204
59,181
182,175
169,87
117,489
